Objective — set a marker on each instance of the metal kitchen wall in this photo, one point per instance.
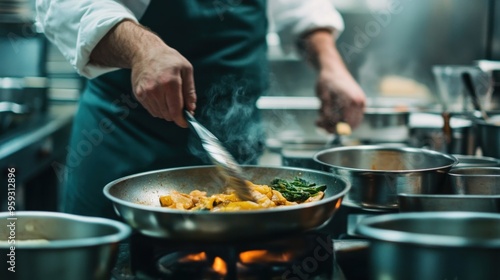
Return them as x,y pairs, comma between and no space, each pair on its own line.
401,38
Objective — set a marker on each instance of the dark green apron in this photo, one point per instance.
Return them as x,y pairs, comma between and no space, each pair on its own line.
114,136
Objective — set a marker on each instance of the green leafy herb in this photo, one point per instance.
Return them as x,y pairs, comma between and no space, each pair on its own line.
297,190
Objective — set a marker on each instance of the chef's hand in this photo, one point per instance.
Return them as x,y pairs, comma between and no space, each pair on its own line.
342,99
162,79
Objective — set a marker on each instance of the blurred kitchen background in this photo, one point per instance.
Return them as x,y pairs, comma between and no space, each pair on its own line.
395,49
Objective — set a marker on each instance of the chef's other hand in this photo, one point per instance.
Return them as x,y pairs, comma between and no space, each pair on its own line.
162,81
342,99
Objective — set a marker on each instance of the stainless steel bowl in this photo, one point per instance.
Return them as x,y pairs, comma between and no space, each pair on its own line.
475,180
433,245
379,173
383,125
75,247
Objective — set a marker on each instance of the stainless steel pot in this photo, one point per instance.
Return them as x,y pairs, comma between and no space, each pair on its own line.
136,200
78,248
438,245
476,161
489,136
379,173
301,155
474,189
475,180
383,125
426,131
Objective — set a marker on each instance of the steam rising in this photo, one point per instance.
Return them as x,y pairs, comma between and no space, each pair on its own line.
228,110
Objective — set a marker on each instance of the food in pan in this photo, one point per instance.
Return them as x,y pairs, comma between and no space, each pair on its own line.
279,193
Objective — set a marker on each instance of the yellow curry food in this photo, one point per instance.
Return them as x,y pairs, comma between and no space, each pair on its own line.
265,197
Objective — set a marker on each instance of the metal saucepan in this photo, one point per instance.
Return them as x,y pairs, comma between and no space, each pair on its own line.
489,135
136,200
476,161
433,245
472,189
379,173
383,125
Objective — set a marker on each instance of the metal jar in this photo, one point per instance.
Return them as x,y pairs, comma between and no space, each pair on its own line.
433,245
75,247
379,173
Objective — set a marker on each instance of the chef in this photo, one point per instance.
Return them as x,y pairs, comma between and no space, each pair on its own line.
148,60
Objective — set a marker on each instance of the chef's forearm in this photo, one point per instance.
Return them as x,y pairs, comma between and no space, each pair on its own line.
320,50
123,45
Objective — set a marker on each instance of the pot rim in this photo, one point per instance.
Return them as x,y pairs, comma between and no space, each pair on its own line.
457,171
454,160
366,227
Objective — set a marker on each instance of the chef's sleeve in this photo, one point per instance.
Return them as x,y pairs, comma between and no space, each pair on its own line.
292,18
75,27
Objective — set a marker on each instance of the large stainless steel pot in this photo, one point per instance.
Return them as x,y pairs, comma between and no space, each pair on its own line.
433,245
78,248
379,173
136,200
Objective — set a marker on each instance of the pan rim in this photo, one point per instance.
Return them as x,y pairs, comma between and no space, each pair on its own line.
376,148
165,210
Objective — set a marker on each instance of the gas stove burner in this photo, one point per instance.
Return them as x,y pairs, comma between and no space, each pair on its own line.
303,256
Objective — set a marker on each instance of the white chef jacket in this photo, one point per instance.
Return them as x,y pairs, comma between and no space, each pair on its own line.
76,26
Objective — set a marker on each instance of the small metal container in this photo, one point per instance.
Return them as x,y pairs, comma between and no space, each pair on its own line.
379,173
383,125
433,245
489,136
426,131
301,155
476,161
74,247
475,180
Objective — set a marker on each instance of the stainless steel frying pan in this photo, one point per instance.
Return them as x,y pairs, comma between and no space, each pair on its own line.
136,200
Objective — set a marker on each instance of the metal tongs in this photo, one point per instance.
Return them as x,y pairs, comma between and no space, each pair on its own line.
227,166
